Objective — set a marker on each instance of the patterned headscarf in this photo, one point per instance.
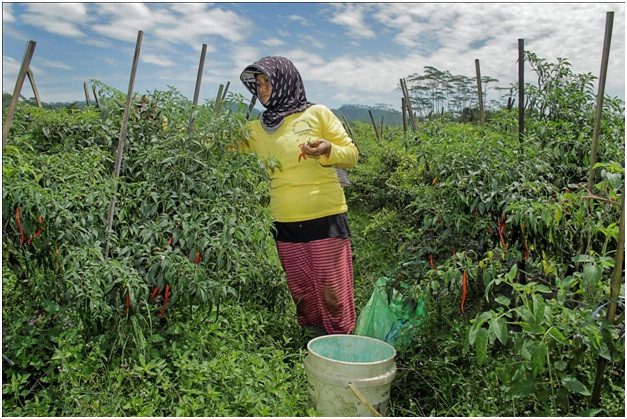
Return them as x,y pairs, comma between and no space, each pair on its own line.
288,92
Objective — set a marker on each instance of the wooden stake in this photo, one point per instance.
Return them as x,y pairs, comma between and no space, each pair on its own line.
374,125
31,79
93,89
218,100
412,119
480,92
87,99
521,92
253,100
616,280
120,151
350,131
201,66
609,21
403,110
226,89
28,55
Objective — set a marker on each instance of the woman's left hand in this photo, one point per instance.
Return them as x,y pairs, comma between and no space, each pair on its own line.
316,148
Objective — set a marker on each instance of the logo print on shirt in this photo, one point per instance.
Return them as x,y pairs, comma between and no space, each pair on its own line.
302,128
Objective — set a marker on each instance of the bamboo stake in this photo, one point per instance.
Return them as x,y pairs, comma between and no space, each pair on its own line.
31,79
615,284
93,89
348,128
597,121
201,66
521,92
253,100
374,125
226,89
28,55
480,92
403,107
609,21
616,280
412,119
118,159
219,100
87,99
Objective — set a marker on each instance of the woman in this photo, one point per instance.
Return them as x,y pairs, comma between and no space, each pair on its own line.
306,200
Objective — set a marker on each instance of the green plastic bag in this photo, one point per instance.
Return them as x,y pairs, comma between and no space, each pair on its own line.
391,314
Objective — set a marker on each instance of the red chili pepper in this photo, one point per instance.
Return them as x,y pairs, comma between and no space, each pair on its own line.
41,224
19,226
39,231
170,241
165,301
197,258
127,304
501,231
431,262
154,293
464,280
302,155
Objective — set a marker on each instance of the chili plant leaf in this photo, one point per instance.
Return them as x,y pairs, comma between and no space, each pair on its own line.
575,386
538,358
558,336
498,329
481,345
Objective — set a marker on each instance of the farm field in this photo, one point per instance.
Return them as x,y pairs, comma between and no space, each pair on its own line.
182,309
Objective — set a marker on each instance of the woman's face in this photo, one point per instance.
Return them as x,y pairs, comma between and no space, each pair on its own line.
264,89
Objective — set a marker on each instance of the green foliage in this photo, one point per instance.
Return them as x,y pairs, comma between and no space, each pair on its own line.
501,229
188,314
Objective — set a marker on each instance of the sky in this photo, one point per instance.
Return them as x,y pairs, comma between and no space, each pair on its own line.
347,53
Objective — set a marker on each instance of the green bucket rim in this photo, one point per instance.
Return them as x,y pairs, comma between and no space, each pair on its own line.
316,354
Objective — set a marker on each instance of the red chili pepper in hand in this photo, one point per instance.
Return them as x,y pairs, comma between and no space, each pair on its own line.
165,302
309,144
464,280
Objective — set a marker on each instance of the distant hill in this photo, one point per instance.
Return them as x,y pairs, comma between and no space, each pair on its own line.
360,113
350,112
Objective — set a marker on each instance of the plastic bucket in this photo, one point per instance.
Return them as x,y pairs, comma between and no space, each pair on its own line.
350,375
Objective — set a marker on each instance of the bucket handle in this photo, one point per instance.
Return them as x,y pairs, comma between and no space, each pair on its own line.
363,400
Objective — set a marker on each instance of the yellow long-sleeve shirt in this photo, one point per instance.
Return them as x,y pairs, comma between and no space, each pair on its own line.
309,188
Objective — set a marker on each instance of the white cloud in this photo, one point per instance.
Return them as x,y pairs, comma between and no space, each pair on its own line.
123,21
10,67
59,18
158,60
193,23
352,16
273,42
300,19
53,63
7,13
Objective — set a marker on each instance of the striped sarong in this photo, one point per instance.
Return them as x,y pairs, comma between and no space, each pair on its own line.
320,278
